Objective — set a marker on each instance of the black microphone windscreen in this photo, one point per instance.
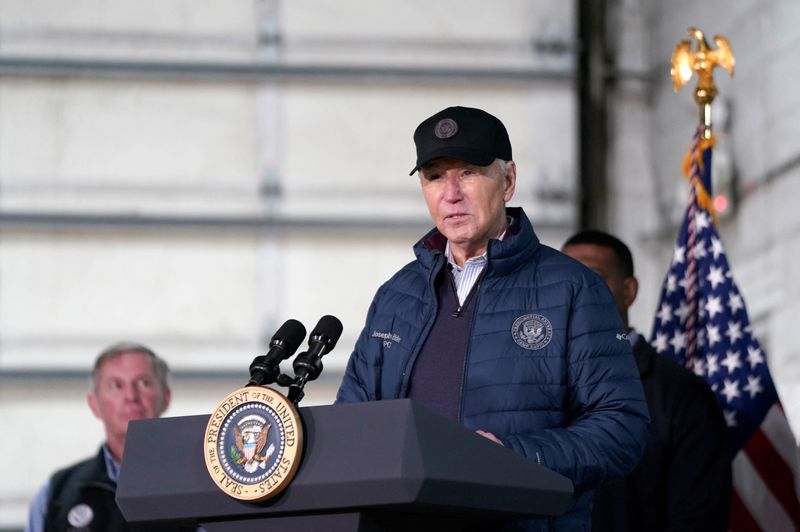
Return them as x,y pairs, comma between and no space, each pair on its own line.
331,328
292,332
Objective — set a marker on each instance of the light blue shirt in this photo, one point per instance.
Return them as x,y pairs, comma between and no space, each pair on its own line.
38,507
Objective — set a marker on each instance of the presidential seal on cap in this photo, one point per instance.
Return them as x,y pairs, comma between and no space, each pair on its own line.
470,135
253,443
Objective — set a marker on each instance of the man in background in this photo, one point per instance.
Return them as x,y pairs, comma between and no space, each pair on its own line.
683,481
128,382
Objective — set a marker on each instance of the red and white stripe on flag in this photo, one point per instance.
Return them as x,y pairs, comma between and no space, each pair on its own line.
765,479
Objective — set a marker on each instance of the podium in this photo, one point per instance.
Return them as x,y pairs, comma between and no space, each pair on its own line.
386,465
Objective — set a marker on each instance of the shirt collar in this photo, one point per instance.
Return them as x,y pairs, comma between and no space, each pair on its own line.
112,467
480,259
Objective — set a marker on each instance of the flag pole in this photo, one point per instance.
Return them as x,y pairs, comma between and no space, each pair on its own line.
685,62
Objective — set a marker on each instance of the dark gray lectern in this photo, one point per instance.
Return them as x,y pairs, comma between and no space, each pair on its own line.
387,465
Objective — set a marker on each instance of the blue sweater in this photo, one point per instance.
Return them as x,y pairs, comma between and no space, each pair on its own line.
548,367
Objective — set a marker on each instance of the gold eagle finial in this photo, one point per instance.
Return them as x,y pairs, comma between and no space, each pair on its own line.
702,60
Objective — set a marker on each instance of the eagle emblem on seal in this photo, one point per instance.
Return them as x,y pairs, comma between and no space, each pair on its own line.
251,438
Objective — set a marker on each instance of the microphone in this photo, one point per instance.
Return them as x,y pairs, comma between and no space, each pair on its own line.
265,368
308,365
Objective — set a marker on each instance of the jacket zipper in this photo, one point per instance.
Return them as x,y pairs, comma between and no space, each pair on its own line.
460,309
474,293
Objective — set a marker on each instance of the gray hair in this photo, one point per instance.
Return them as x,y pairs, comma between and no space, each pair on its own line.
160,367
502,165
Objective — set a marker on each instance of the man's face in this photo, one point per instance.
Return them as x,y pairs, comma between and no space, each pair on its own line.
602,261
127,388
467,202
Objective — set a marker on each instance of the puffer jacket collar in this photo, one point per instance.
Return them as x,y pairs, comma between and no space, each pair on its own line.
518,247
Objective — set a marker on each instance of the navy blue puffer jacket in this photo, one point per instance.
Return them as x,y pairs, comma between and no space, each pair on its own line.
548,369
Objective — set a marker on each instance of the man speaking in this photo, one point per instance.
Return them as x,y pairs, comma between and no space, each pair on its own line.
491,328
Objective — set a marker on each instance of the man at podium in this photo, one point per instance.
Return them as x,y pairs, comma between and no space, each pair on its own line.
497,331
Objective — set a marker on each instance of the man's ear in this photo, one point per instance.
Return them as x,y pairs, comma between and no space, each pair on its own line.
95,408
510,181
165,400
630,287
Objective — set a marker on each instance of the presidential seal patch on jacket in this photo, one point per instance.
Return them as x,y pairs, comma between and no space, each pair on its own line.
253,443
532,331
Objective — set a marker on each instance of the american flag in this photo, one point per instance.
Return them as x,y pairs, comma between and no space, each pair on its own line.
702,322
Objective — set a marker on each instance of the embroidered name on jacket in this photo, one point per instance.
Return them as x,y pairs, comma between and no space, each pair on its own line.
388,338
532,331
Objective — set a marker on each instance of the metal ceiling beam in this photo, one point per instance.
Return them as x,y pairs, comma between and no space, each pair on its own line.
23,66
62,221
75,221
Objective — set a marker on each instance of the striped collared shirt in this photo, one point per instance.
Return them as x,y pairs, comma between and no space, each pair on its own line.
466,276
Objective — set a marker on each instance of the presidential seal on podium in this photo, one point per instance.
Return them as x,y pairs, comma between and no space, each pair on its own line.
253,443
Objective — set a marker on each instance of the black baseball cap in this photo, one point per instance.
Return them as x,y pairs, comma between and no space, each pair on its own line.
468,134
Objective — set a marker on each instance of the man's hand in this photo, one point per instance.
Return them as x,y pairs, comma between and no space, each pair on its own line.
489,436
